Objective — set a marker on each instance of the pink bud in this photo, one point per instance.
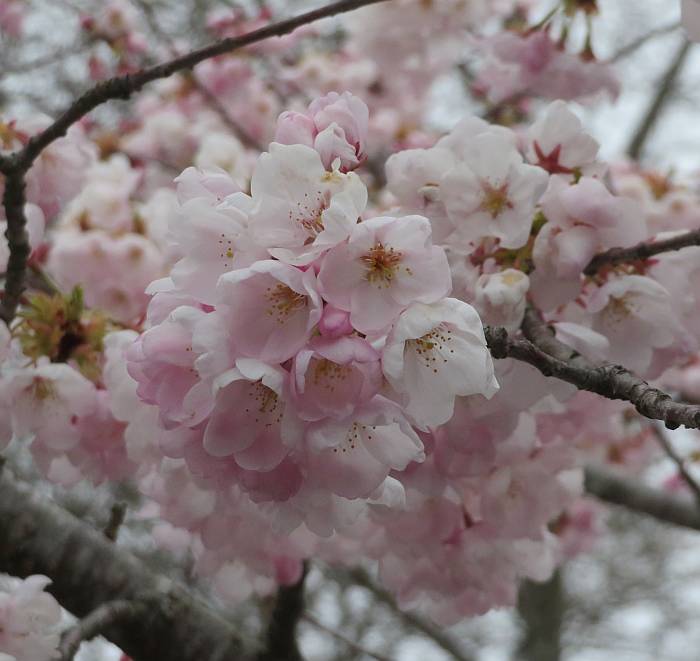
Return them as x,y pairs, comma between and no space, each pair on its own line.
334,322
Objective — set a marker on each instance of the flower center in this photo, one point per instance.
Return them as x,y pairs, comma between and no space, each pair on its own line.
309,213
42,389
265,404
381,264
226,247
357,432
618,309
495,199
284,301
430,348
327,374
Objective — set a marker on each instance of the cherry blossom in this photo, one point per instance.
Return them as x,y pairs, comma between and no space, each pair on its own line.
29,619
269,309
434,353
300,209
335,126
385,265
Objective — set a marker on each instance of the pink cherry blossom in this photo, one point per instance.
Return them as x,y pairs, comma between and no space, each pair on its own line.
500,298
534,64
212,241
48,403
299,209
270,309
557,142
333,377
247,419
335,126
162,362
491,192
386,264
635,314
213,184
353,456
434,353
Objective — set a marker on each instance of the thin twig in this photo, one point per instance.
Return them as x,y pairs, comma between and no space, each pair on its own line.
554,358
360,577
642,251
659,101
211,99
633,45
609,487
611,381
122,87
668,448
356,647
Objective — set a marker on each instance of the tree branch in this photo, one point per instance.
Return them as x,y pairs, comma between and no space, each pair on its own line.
117,513
18,241
211,99
641,251
606,486
122,87
358,649
659,101
281,632
640,41
38,537
98,621
359,576
611,381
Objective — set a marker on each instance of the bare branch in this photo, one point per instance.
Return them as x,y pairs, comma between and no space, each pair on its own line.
642,251
98,621
668,448
606,486
359,576
640,41
658,102
212,100
355,647
18,242
611,381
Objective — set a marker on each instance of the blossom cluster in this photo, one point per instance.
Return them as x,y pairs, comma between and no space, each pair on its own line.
289,359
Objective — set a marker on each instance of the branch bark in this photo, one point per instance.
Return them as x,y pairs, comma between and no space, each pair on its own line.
611,381
98,621
641,251
87,570
636,497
